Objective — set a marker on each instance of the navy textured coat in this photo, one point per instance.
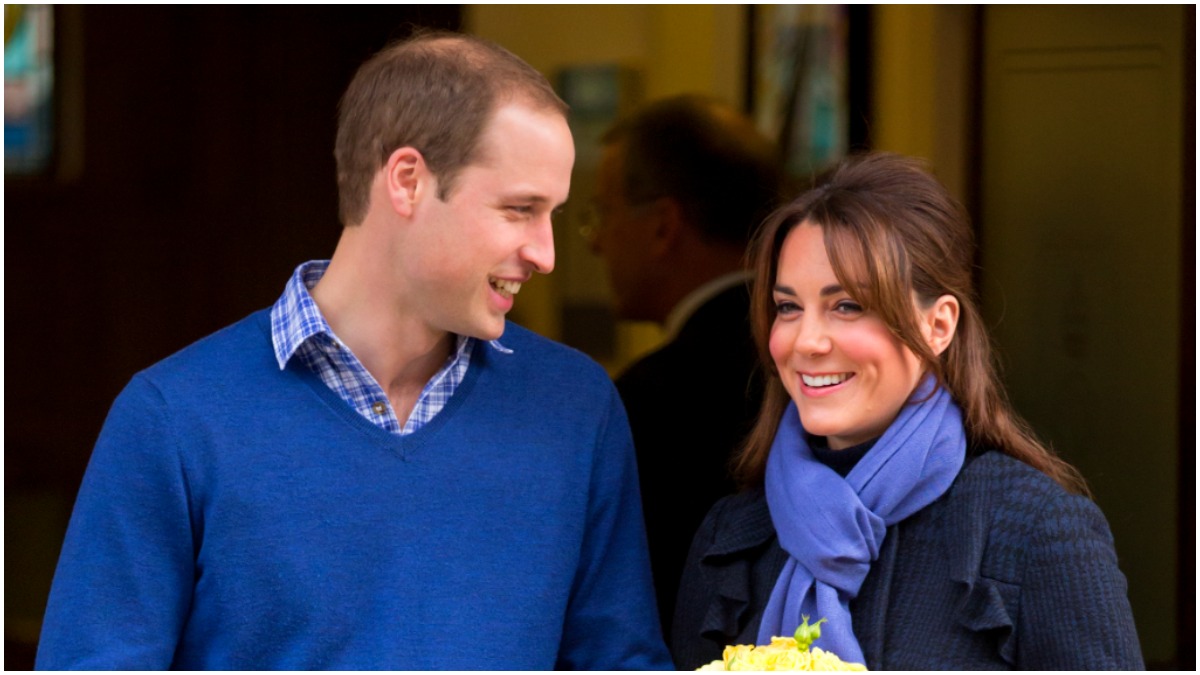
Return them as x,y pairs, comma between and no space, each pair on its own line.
1006,570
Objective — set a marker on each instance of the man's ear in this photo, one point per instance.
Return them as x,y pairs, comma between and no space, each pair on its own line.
667,224
939,323
406,179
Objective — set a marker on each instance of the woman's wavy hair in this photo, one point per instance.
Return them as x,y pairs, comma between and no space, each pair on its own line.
893,233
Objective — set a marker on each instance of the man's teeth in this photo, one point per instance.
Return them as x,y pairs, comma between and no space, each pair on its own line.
824,380
506,288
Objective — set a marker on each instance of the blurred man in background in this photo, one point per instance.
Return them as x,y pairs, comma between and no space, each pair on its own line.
682,185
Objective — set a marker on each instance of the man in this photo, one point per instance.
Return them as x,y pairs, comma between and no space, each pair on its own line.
680,187
363,476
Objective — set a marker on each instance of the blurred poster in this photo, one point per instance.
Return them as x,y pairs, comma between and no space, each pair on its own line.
801,88
28,88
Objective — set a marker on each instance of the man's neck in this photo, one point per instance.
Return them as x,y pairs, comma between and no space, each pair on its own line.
401,353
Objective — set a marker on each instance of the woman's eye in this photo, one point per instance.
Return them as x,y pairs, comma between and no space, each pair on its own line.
786,307
848,307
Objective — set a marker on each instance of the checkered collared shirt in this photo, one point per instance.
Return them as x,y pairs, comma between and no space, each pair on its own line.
299,330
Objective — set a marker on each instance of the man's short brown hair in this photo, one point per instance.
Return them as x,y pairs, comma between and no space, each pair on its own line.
434,92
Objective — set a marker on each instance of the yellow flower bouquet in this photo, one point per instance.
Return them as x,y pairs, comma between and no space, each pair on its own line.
784,653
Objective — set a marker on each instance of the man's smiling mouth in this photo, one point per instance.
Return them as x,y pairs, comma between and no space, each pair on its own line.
505,288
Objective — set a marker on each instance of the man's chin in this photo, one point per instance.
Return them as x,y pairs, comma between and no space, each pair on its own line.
493,331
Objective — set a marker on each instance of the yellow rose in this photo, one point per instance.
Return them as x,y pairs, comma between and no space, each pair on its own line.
789,660
823,660
783,653
783,642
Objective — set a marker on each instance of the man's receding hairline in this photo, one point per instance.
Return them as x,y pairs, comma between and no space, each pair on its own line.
443,42
516,99
480,54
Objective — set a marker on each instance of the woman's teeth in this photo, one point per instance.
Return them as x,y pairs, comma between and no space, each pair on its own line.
824,380
506,288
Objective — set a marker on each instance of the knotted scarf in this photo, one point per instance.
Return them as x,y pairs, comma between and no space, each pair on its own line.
832,528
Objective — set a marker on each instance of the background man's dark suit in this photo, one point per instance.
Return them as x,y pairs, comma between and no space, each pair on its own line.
681,185
690,404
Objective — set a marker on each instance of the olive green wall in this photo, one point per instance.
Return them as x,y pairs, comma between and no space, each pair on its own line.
1082,262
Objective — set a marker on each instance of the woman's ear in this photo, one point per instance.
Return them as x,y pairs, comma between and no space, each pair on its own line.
939,322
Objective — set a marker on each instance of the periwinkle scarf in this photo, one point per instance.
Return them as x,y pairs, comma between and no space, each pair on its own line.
832,528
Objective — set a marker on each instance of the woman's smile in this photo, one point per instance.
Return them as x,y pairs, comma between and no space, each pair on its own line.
843,366
824,381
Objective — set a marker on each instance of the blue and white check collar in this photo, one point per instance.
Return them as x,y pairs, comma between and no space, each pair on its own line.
295,317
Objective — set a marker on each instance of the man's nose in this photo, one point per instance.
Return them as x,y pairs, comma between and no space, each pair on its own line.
539,250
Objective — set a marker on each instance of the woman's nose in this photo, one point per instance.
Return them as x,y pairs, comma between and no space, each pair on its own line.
813,337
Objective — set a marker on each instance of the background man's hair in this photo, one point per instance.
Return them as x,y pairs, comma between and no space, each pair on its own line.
724,174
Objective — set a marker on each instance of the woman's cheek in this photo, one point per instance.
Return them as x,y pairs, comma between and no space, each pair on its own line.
779,345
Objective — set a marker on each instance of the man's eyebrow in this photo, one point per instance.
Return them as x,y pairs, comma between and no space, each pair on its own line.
528,197
533,199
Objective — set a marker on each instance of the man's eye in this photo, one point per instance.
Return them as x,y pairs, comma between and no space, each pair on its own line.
521,210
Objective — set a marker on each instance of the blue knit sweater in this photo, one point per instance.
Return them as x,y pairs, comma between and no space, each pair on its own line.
235,516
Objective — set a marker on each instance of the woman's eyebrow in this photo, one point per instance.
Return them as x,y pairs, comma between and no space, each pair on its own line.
832,289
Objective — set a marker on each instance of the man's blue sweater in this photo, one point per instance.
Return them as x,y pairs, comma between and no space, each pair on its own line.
235,516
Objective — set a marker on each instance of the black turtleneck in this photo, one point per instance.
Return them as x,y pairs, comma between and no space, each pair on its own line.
841,461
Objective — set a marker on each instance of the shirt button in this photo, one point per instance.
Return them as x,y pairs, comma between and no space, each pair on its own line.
379,407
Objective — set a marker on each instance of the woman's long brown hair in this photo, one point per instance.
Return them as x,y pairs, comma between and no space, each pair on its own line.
893,233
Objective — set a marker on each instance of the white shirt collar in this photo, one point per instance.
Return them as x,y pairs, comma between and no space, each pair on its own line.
686,307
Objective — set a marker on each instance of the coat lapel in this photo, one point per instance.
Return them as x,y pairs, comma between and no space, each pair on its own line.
870,609
734,566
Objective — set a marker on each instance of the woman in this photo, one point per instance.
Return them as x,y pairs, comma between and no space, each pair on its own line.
889,487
